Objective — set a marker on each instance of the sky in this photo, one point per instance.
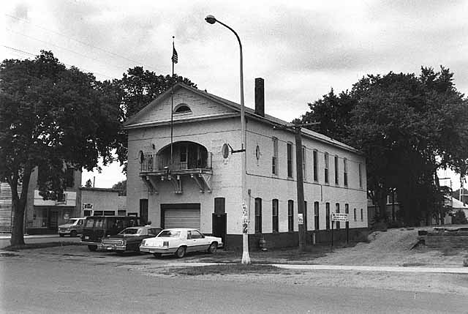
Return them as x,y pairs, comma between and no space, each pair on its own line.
302,49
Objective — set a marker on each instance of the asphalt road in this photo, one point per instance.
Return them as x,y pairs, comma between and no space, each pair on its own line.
101,282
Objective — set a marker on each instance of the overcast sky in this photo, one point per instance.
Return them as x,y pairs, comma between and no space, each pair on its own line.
302,49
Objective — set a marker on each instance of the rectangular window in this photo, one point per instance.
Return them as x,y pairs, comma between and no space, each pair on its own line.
274,214
289,160
258,215
346,210
304,166
336,171
305,215
290,215
326,168
274,158
316,216
327,216
345,172
355,214
219,205
362,214
315,162
360,175
338,226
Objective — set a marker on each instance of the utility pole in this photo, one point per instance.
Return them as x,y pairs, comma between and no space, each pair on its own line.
299,180
300,188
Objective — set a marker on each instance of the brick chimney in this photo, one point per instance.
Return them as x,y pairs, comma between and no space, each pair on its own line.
259,97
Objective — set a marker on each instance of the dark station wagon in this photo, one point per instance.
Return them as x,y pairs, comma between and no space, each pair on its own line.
98,227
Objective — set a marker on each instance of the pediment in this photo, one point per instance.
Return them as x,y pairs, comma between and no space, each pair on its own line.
185,103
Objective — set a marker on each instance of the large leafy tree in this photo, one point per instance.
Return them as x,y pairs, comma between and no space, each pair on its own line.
139,87
408,127
52,118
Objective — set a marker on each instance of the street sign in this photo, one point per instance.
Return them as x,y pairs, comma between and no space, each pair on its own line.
339,217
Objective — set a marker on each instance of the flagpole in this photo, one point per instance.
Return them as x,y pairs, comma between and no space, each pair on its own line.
172,104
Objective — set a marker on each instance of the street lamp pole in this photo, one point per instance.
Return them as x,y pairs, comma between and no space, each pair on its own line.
245,215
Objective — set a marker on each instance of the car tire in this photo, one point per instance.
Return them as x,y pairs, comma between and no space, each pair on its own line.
61,235
157,255
180,252
212,248
92,248
73,233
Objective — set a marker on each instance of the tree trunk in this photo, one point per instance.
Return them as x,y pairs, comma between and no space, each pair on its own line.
18,206
17,232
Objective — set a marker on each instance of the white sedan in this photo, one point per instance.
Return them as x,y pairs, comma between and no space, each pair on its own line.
179,241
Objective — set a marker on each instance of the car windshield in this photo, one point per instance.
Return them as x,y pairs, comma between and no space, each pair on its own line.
169,234
132,231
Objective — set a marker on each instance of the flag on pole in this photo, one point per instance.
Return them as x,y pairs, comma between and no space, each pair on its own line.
175,57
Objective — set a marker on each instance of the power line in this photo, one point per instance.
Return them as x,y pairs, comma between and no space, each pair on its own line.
69,65
72,51
76,40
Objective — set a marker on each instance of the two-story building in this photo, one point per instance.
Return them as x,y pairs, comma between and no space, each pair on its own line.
185,170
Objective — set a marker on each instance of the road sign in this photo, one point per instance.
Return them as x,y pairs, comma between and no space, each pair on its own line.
339,217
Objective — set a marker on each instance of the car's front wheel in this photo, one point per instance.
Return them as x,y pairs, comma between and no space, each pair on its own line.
61,235
180,252
212,248
92,248
157,254
73,233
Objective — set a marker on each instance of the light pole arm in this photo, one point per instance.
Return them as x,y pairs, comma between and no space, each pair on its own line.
243,144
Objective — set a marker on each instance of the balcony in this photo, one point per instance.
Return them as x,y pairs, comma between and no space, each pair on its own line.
183,159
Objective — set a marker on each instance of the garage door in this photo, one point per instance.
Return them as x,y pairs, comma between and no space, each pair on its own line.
182,216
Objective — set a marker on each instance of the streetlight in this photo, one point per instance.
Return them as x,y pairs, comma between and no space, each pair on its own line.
245,236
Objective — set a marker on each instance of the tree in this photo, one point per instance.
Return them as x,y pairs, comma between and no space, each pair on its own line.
408,127
89,183
138,88
122,187
52,118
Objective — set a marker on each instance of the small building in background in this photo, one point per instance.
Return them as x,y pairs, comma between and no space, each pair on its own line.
103,202
44,216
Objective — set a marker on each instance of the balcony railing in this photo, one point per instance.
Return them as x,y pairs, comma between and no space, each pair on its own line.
153,163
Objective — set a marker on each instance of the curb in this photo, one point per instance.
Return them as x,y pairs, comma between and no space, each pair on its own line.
395,269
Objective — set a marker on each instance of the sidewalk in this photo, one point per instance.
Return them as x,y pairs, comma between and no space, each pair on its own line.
6,236
452,270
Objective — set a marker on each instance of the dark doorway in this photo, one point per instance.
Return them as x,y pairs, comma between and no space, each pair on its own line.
219,226
144,210
53,220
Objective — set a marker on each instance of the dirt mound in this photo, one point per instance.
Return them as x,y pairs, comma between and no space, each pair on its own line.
393,240
393,248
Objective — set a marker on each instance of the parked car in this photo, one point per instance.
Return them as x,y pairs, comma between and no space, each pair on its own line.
129,239
73,227
180,241
98,227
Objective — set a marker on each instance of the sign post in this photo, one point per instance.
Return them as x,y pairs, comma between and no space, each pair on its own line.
340,217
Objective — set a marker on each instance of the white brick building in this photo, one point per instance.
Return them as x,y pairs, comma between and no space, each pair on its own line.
202,187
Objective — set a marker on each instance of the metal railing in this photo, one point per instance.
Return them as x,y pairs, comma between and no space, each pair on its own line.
156,163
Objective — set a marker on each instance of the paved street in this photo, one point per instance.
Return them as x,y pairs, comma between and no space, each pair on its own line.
73,280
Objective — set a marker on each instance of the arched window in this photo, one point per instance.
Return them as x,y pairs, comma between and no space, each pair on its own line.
182,108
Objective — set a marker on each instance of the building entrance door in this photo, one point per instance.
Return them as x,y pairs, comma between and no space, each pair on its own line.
144,210
219,226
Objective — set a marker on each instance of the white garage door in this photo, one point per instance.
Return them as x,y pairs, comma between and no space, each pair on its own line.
182,218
